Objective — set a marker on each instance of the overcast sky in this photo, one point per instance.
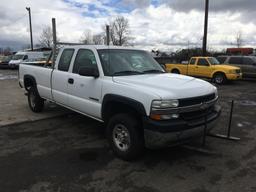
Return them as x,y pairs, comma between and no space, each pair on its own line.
155,24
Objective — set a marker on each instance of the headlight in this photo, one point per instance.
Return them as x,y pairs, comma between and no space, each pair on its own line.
161,104
158,106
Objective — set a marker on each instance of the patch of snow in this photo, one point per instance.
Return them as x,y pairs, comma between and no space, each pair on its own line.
248,103
240,125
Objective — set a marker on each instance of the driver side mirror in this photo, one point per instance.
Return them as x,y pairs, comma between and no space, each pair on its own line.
89,71
25,57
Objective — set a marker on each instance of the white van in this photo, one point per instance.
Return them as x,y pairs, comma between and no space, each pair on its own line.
21,56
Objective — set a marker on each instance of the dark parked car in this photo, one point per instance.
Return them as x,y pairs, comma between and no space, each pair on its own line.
246,63
5,61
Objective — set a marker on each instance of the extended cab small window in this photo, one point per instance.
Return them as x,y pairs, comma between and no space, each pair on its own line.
192,61
84,58
202,62
65,59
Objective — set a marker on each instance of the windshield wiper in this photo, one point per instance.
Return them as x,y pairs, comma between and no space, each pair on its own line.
127,73
153,71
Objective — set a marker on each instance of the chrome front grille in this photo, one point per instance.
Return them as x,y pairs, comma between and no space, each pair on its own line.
196,100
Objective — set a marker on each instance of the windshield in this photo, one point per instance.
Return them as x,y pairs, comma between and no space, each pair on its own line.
117,62
17,57
213,61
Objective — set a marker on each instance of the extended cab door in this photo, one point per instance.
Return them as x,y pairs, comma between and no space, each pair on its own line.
85,91
203,68
191,67
60,77
249,67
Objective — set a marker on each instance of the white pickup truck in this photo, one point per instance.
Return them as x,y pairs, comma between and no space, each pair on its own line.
140,104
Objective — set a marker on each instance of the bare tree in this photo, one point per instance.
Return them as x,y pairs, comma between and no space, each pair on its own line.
89,38
239,39
119,31
86,37
46,37
98,39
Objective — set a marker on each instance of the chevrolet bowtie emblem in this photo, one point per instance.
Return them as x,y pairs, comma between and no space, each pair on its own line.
203,106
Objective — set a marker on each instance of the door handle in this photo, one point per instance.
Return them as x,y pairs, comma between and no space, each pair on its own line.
70,81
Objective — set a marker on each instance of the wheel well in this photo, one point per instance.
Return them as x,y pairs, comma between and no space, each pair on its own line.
29,82
175,70
219,72
114,107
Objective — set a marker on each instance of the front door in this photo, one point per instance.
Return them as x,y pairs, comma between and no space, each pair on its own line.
249,67
84,91
203,68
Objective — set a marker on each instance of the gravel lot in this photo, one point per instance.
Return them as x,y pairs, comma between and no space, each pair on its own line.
69,153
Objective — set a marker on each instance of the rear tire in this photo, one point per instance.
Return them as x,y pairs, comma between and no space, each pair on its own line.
125,136
35,102
219,78
176,71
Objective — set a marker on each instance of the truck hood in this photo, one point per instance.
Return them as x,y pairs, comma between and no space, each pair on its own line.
167,85
15,61
227,67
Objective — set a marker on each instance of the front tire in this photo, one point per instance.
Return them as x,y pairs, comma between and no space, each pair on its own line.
219,78
35,102
125,136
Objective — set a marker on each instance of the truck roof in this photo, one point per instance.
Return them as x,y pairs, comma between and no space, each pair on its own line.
98,47
201,57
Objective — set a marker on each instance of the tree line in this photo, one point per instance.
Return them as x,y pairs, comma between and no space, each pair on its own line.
118,32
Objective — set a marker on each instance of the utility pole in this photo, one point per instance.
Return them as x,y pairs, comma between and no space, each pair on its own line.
205,27
107,34
54,38
30,25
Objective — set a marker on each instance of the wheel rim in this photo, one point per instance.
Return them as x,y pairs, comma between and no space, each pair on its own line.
121,137
218,79
32,99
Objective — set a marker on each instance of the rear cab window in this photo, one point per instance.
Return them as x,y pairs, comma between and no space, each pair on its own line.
65,59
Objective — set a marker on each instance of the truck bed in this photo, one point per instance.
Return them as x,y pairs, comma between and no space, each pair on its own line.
43,77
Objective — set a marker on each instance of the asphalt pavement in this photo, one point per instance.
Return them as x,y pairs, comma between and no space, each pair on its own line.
69,152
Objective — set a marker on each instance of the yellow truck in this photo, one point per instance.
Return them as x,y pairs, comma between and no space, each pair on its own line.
206,67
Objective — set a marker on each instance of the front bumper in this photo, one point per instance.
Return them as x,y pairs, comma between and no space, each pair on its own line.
173,132
235,76
13,66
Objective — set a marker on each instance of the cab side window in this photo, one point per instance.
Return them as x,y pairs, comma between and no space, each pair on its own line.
235,60
247,61
192,61
65,59
84,58
202,62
